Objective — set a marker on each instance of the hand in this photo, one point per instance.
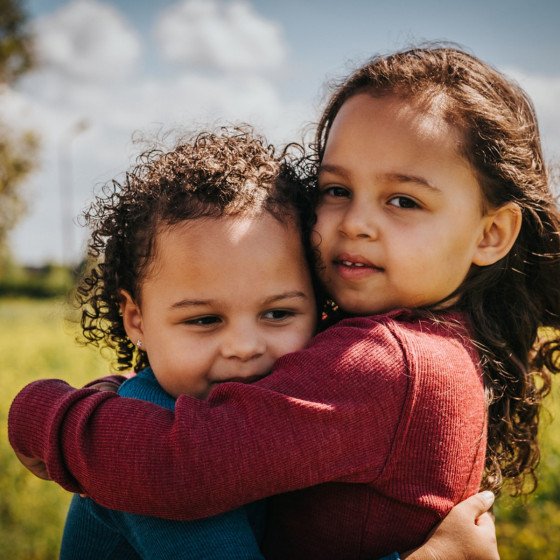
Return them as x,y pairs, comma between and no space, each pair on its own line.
36,466
467,533
104,386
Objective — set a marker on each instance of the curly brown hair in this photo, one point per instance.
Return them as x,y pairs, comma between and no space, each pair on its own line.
512,301
230,171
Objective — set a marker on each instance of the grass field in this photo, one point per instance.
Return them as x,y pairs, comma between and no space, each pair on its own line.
35,342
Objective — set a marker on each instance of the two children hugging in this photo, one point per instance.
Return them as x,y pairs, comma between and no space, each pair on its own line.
437,238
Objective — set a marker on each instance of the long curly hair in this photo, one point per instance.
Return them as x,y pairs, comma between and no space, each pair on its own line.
512,302
229,171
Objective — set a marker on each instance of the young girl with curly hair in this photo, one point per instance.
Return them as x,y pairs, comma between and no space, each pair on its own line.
437,239
201,278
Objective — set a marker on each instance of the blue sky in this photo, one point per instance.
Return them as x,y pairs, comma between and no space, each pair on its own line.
122,66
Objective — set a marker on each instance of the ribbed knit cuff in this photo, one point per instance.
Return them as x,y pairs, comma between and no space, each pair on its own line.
29,415
34,421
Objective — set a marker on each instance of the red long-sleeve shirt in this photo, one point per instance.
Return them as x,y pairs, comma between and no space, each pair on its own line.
372,433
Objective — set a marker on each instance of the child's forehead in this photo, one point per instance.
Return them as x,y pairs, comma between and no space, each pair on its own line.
205,237
234,223
212,254
431,108
392,118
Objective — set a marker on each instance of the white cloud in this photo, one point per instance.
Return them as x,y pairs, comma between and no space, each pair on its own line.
79,82
545,93
224,36
89,40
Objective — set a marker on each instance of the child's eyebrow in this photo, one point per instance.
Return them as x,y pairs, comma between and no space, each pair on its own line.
287,295
406,178
330,168
295,294
190,303
389,176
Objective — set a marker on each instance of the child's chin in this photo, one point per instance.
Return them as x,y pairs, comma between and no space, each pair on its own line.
358,307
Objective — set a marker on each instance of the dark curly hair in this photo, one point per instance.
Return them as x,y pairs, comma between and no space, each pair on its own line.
229,171
512,302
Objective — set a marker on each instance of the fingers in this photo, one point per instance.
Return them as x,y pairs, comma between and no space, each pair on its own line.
486,521
478,504
105,386
36,466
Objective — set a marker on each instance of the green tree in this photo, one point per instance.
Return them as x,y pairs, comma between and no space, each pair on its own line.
17,148
16,54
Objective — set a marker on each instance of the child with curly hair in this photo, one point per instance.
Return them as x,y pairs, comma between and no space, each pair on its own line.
437,237
202,280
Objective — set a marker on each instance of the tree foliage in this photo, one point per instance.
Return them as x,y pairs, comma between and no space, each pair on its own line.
16,162
16,54
17,148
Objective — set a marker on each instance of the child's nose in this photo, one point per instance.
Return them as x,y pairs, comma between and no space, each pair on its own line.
243,342
359,222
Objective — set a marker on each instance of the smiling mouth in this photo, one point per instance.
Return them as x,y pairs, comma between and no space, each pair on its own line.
354,264
355,268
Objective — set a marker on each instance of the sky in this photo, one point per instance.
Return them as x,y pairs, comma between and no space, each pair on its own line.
112,72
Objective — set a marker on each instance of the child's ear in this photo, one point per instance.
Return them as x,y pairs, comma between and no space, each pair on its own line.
132,317
501,229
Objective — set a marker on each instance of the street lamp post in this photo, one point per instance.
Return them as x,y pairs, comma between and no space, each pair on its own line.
67,189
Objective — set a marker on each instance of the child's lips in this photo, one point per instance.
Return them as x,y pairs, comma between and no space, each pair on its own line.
354,267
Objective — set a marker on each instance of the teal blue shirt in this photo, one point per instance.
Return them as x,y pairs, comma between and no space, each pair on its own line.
93,532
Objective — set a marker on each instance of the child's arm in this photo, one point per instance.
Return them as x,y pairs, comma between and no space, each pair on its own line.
128,439
37,466
329,413
277,427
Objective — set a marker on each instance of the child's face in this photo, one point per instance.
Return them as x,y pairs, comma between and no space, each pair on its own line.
222,301
400,218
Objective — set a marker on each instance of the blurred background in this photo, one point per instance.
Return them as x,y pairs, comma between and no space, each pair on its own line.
82,80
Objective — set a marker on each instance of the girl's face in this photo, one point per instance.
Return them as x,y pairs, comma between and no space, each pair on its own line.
222,301
400,218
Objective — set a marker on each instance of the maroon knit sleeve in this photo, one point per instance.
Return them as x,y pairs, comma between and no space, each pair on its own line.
35,416
328,413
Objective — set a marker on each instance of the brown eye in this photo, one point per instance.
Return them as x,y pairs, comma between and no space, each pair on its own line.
403,202
205,321
278,314
336,192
